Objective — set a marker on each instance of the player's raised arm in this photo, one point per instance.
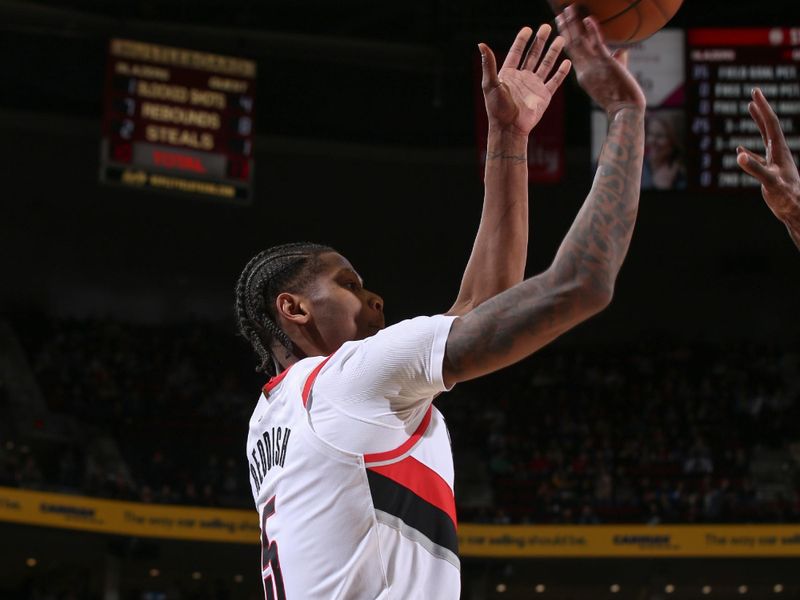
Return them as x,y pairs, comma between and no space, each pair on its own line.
580,282
515,97
777,171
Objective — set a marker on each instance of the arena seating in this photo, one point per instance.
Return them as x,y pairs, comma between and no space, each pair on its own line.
658,433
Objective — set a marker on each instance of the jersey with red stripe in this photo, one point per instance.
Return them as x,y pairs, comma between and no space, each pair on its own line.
352,472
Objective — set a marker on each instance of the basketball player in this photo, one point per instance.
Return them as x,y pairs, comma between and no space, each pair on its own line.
777,172
350,463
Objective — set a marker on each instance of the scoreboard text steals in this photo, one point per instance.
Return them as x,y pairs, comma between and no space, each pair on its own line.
178,120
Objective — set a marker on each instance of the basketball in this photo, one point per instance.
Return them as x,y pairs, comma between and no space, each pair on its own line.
625,21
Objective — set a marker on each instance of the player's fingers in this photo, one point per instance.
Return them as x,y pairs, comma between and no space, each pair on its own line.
574,25
514,56
770,119
758,116
573,45
755,112
489,79
561,26
621,56
550,57
594,36
559,76
772,125
756,169
535,51
752,155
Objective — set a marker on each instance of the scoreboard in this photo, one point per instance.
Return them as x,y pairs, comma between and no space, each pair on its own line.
698,85
178,120
723,66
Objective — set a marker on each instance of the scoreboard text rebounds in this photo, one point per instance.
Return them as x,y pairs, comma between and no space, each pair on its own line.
178,120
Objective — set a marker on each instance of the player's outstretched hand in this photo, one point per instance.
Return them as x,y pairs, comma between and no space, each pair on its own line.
517,96
777,172
602,75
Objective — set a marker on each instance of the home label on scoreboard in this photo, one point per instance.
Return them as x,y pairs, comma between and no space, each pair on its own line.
178,120
723,67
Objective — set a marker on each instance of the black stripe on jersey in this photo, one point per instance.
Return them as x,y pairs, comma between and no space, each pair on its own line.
395,499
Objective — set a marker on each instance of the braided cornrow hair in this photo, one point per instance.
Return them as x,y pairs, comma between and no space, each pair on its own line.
285,268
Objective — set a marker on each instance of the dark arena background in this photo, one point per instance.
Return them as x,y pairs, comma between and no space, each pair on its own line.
148,149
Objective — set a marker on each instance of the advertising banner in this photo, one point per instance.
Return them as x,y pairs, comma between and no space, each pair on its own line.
489,541
128,518
629,541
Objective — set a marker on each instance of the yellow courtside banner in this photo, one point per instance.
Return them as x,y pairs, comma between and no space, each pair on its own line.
128,518
500,541
629,541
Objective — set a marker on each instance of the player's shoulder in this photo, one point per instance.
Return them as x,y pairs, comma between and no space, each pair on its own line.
410,327
372,354
286,386
290,378
384,337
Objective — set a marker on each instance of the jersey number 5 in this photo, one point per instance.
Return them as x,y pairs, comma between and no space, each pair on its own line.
270,564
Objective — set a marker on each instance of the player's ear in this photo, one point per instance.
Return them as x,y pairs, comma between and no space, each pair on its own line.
292,308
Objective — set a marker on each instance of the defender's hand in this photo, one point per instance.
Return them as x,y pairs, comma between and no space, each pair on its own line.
777,172
516,97
604,76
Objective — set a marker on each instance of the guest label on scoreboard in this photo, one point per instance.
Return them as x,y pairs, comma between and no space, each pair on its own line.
723,67
178,120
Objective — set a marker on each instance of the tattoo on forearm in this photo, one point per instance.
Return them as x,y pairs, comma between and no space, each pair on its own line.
518,321
503,155
601,234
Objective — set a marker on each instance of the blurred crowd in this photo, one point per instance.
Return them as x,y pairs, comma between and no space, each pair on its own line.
658,433
175,399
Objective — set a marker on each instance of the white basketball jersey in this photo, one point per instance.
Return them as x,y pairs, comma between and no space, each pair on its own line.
338,523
